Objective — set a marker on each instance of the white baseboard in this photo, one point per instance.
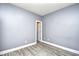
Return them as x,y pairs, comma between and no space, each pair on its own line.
17,48
65,48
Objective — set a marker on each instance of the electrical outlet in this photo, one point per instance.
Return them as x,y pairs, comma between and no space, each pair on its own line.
25,41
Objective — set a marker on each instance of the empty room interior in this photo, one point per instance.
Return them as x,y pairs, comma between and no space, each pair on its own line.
41,29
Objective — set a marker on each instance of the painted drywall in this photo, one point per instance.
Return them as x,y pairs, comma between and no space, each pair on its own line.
17,26
62,27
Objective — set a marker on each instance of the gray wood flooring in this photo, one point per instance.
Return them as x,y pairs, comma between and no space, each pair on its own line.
40,49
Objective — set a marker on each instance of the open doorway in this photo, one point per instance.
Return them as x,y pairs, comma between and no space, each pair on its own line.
38,30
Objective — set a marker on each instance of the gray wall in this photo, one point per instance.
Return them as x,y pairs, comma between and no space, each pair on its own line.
62,27
17,27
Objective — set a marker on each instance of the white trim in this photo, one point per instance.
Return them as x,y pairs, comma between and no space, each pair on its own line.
65,48
17,48
36,31
41,30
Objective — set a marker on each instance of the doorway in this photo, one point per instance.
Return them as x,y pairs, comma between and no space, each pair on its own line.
38,30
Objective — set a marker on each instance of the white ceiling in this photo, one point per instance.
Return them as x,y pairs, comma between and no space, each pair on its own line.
42,9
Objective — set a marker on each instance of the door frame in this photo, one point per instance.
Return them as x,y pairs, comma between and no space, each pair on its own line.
36,30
